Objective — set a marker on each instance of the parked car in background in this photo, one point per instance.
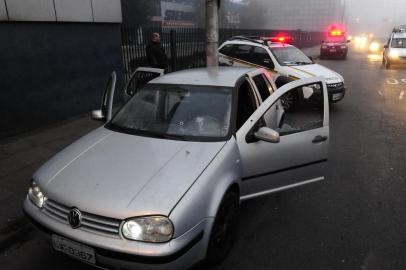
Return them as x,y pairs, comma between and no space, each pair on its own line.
335,44
159,184
395,50
284,61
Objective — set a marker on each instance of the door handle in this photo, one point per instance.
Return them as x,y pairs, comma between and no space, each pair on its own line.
319,139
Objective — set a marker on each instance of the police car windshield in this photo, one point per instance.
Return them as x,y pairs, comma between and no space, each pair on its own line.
398,43
290,56
178,112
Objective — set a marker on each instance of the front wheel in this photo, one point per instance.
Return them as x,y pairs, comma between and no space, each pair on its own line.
224,229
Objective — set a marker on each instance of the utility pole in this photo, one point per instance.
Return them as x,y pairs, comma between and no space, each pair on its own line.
212,33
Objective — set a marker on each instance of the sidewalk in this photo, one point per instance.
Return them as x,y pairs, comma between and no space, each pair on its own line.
20,156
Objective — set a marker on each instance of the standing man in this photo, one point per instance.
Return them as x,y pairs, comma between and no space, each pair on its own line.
156,54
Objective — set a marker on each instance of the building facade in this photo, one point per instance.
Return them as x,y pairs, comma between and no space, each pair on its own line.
308,15
56,56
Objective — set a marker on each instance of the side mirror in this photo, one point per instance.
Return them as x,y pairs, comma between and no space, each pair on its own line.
386,47
349,41
322,42
268,135
98,115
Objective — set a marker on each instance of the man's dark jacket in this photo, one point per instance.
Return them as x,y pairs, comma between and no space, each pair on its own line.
156,56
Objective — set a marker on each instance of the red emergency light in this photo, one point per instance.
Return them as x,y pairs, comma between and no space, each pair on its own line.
281,39
336,33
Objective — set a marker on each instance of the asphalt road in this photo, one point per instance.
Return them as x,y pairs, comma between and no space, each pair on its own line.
355,219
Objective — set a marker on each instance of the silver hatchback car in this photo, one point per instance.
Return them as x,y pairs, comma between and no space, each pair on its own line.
160,184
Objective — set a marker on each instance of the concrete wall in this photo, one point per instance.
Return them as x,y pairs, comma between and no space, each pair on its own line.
50,71
55,58
61,10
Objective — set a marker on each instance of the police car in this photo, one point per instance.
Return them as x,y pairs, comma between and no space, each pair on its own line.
284,61
335,44
395,50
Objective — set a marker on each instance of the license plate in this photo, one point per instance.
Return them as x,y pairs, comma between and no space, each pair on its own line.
333,50
337,96
74,249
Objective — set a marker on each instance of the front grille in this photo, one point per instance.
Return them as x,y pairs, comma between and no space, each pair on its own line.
90,222
335,85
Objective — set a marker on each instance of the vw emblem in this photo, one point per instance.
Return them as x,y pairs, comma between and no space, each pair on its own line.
74,218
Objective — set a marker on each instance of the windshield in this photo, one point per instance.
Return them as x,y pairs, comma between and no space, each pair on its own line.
290,56
398,43
182,112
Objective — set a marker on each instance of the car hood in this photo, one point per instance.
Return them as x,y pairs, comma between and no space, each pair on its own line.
314,70
119,175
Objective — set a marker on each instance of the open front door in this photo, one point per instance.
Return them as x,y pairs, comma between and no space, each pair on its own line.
291,151
141,77
105,112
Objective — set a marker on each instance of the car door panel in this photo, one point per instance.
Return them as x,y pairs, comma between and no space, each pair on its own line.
296,159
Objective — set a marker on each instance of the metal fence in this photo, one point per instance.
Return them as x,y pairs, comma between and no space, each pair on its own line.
186,47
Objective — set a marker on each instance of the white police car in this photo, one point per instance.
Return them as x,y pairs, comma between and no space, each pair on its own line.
285,61
395,50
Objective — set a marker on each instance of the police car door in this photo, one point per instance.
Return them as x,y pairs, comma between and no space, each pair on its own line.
292,152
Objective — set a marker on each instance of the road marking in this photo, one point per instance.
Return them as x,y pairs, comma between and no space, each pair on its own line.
401,95
403,80
380,93
392,81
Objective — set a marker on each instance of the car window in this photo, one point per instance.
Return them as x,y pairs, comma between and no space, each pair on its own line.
242,52
398,43
140,79
246,103
262,85
305,110
261,57
290,56
184,112
227,50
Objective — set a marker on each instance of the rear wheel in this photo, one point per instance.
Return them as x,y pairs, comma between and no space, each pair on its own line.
224,229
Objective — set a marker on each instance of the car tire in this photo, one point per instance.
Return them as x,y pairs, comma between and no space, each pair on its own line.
224,229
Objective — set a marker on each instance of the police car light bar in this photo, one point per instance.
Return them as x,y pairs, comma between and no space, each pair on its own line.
280,39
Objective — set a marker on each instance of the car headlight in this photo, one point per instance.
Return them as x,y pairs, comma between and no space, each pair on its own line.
35,194
155,229
343,47
374,47
324,47
394,54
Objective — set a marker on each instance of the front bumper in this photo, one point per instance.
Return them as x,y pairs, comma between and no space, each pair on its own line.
118,253
336,92
334,51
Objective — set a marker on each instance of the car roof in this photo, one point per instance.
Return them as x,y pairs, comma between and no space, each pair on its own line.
270,44
225,76
399,35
